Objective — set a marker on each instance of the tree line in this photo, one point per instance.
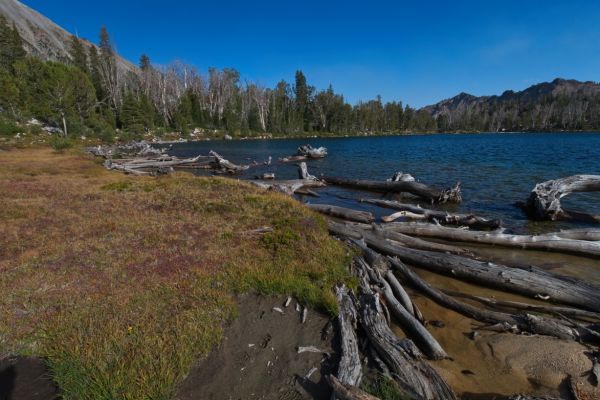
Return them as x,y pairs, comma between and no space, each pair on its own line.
90,93
94,93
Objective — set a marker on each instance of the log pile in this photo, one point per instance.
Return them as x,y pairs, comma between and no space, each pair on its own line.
133,149
140,158
391,251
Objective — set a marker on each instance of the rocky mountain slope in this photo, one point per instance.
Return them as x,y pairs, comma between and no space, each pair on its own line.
560,104
42,37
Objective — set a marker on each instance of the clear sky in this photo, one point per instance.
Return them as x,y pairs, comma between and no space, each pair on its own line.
419,52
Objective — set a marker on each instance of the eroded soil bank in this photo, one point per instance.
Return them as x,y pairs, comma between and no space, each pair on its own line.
258,358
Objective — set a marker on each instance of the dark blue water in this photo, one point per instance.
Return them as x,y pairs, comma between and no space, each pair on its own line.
496,170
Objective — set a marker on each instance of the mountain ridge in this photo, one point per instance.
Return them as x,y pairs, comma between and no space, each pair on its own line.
42,37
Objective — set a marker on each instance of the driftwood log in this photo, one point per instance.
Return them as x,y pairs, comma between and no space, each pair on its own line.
418,189
287,186
306,152
154,165
548,242
136,149
411,211
415,376
544,200
350,367
516,305
520,322
224,165
411,325
345,391
354,231
343,213
532,282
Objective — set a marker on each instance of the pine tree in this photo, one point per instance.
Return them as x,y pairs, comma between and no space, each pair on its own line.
95,75
78,55
301,93
11,45
108,70
106,48
145,62
18,52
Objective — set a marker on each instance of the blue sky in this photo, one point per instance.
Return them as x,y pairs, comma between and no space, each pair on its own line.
418,52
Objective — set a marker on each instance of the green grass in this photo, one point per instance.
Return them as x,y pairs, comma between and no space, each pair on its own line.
123,282
383,388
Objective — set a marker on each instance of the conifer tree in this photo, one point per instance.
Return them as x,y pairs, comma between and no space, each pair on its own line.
145,62
11,45
95,75
78,54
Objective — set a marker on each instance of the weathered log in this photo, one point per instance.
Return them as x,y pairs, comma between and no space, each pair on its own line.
399,176
523,322
343,213
293,159
225,165
548,242
411,325
531,282
417,212
579,234
353,231
515,305
415,376
349,368
544,200
311,152
303,172
416,188
344,391
288,187
138,149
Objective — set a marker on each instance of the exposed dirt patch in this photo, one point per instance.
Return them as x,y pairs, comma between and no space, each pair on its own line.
258,357
25,378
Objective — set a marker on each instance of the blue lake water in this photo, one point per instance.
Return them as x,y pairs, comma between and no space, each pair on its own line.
495,170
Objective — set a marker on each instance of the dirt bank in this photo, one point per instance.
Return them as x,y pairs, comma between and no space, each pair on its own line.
258,357
25,378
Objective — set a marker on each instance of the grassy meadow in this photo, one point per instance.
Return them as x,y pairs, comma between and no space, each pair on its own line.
122,282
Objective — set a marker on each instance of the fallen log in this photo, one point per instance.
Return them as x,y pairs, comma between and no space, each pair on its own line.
544,200
515,280
354,232
523,322
417,212
311,152
303,172
288,187
350,367
343,213
515,305
415,376
344,391
548,242
411,325
579,234
224,165
416,188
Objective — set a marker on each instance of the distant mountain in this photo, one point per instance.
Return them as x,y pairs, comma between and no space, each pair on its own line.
42,37
560,104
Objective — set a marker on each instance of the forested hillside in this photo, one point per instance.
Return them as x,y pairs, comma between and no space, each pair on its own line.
557,105
89,90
